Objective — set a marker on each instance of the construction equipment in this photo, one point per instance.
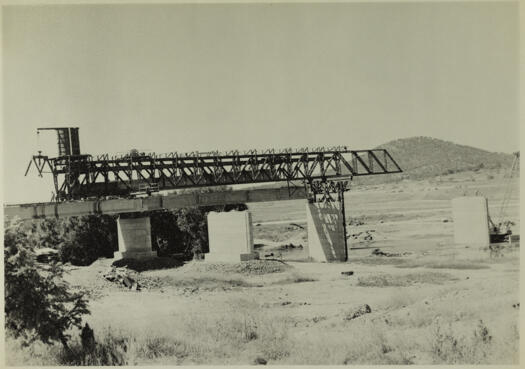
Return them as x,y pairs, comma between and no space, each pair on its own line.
500,231
79,176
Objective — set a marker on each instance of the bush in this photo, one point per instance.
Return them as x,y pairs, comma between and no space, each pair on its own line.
38,303
85,239
450,348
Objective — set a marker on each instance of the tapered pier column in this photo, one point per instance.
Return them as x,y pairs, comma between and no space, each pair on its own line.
230,236
134,238
325,231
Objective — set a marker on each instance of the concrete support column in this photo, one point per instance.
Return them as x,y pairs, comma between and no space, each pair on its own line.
325,231
471,220
134,238
230,236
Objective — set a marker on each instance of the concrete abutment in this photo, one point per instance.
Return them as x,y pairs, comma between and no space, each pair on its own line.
134,238
230,237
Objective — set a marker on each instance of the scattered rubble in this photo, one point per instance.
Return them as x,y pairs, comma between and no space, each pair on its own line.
355,222
364,236
317,319
361,310
252,267
122,277
290,246
378,252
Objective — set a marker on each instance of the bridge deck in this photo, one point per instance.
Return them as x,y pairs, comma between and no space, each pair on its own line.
158,202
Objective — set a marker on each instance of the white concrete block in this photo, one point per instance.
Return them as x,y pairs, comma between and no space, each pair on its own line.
325,231
230,236
471,222
134,238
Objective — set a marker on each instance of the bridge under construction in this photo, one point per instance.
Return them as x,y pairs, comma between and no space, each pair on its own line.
136,182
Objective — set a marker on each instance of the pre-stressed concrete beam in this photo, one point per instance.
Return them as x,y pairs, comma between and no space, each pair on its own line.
157,202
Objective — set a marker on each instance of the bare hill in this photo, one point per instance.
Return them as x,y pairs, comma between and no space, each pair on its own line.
425,157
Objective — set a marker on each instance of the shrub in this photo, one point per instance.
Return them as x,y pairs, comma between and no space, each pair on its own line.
85,239
450,348
38,303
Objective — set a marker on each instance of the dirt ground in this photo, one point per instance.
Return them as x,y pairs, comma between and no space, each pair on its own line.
423,300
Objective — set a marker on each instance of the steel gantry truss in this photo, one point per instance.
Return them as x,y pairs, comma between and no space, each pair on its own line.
85,176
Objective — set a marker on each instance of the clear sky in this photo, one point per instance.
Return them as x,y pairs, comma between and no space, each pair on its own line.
204,77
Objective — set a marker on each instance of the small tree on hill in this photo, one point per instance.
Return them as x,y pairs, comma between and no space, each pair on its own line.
38,302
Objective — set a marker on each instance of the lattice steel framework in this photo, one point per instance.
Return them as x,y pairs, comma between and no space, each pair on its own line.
85,176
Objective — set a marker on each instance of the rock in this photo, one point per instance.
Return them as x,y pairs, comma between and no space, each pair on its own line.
260,361
350,272
128,282
285,303
378,252
361,310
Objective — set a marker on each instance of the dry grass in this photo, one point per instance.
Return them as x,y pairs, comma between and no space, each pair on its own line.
439,263
205,281
243,331
373,260
295,277
389,280
234,336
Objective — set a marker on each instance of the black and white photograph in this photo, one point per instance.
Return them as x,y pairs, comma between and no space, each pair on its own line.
260,183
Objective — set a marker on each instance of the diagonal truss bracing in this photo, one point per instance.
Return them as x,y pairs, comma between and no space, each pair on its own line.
82,176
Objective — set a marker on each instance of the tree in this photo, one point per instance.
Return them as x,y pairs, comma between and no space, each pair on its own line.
84,239
39,304
192,222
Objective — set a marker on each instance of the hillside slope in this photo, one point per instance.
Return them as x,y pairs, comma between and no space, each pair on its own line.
425,157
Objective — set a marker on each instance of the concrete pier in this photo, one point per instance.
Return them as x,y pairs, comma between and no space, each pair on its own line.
134,238
325,231
230,237
471,220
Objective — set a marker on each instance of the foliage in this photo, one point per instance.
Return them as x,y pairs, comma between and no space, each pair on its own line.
38,303
450,348
84,239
